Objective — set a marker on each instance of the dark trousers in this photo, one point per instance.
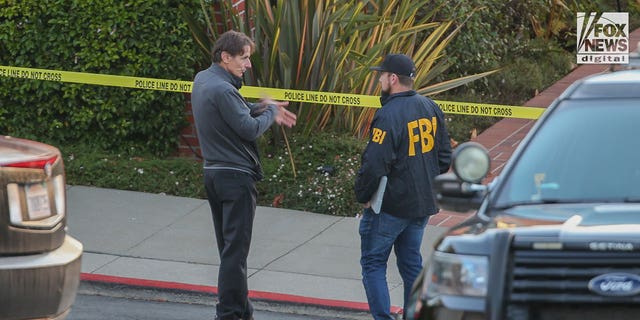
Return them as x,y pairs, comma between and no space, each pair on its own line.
232,197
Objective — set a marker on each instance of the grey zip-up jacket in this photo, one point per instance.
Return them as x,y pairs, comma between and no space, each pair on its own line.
227,125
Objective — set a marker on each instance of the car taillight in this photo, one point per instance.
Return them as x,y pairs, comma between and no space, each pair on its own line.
35,164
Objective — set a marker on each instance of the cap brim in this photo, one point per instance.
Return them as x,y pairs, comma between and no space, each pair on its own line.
376,69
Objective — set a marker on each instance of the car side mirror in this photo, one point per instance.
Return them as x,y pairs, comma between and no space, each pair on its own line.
471,162
461,190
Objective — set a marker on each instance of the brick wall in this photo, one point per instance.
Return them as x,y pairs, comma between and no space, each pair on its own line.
189,146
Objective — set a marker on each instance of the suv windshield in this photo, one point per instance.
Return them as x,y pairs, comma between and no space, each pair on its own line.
585,152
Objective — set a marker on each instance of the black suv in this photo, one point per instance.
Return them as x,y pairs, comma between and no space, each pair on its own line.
557,234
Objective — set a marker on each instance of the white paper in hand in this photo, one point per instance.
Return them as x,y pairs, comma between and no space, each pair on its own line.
376,200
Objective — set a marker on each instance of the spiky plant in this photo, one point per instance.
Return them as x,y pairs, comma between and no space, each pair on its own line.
329,45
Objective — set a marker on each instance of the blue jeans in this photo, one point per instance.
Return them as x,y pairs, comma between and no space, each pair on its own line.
378,234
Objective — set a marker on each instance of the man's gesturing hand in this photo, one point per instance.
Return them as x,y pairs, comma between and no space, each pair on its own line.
284,117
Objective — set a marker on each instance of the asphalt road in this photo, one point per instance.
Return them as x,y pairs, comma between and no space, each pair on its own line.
95,307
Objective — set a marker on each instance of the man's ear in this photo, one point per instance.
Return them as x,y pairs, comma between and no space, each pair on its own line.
225,56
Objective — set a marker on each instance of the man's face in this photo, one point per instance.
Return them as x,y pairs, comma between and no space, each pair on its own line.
237,65
385,82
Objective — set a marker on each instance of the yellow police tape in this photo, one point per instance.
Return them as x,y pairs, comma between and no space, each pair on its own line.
355,100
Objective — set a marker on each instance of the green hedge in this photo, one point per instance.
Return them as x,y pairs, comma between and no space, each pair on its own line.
144,38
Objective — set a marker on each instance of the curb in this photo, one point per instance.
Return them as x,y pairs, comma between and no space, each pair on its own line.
259,296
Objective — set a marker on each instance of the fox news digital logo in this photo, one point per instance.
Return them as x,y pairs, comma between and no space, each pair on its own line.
603,38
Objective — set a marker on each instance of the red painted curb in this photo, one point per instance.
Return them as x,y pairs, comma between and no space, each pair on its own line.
253,294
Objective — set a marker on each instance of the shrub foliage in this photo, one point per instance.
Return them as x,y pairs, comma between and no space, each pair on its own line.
116,138
325,167
319,180
144,38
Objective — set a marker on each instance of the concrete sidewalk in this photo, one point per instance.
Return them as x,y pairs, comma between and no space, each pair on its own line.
167,242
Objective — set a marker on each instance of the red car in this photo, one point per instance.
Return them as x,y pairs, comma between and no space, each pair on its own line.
39,262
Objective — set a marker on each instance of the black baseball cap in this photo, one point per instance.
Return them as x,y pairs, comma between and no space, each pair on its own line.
399,64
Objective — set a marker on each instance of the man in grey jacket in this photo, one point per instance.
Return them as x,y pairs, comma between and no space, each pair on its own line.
228,127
